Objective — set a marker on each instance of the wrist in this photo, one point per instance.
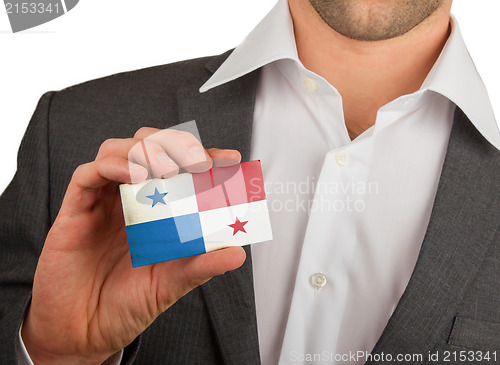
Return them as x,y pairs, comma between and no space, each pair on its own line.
39,355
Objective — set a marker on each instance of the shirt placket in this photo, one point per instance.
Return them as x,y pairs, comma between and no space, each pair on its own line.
330,239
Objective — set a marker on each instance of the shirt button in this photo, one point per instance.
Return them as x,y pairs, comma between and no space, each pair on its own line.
318,280
342,158
310,85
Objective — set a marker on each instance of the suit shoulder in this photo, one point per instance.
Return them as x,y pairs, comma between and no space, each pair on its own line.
119,104
143,83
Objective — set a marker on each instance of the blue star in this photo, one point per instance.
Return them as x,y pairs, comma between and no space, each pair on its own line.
157,197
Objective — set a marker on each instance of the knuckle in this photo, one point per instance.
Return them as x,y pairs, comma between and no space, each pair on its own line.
136,145
187,137
143,132
177,135
140,132
106,146
80,170
185,140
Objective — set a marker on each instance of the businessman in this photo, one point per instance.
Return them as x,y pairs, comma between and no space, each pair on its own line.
399,256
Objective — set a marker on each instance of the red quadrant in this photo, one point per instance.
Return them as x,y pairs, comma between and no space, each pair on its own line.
225,186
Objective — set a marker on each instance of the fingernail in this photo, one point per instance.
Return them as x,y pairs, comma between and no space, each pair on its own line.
224,162
197,154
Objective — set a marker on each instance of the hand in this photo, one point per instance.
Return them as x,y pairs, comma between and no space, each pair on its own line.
88,302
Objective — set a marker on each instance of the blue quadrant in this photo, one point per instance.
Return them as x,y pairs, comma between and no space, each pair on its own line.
165,239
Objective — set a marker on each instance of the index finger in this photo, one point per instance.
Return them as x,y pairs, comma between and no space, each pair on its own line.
182,147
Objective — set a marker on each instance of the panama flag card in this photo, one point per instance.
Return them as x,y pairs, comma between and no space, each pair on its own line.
191,214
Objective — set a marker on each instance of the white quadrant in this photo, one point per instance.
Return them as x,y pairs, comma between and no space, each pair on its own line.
138,199
217,230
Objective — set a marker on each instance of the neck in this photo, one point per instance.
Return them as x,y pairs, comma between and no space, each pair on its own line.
368,75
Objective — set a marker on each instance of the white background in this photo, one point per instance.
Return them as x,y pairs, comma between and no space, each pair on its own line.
98,38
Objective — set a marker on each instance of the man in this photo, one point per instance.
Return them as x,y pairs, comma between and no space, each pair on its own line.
379,95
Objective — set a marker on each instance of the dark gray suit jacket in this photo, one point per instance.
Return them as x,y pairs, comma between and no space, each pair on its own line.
451,303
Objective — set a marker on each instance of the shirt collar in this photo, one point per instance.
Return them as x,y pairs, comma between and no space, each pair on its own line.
271,40
453,75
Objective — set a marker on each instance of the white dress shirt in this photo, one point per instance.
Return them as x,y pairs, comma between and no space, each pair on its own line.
348,217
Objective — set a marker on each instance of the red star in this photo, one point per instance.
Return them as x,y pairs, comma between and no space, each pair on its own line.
238,226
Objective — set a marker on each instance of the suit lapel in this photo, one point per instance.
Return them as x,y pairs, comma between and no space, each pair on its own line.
224,117
464,219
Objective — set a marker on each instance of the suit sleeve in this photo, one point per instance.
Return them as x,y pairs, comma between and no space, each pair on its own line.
25,220
24,223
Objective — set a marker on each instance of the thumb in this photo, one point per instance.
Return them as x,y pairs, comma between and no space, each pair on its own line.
188,273
203,267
